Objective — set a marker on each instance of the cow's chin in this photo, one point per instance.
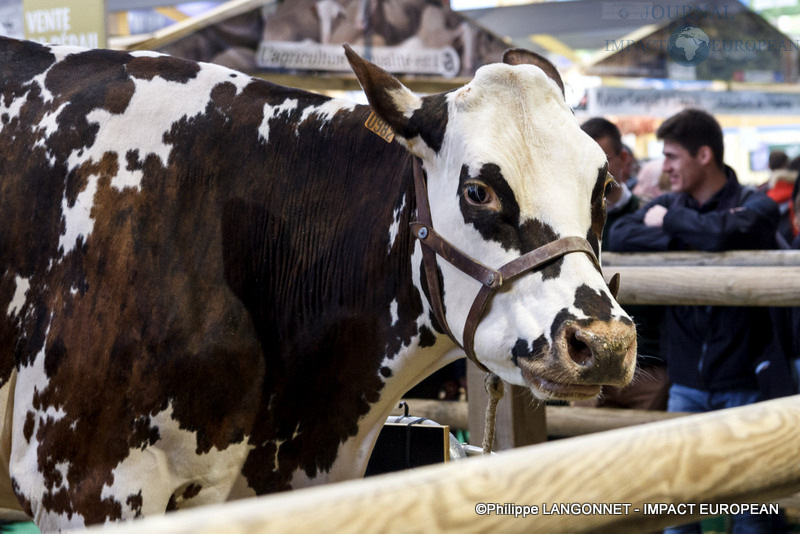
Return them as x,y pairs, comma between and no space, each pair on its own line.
550,389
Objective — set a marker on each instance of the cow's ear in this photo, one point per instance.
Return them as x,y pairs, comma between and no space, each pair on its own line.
520,56
389,99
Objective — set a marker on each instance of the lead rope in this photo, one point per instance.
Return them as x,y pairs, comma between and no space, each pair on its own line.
494,388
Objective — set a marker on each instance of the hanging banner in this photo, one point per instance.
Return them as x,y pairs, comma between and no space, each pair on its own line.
659,103
70,22
11,19
412,37
312,56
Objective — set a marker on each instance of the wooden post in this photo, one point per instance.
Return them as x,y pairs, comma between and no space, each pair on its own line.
520,418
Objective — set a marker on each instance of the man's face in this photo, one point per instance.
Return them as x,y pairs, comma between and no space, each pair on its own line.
685,171
616,162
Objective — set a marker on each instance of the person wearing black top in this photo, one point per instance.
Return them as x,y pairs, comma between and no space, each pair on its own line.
712,352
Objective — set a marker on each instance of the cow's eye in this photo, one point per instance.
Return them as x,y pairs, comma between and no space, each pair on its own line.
477,194
610,184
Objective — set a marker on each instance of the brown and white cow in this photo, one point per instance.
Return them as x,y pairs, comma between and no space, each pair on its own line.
209,287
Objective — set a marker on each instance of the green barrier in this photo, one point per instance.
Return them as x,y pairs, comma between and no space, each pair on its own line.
25,527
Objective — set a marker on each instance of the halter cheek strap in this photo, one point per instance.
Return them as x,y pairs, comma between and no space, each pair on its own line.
490,279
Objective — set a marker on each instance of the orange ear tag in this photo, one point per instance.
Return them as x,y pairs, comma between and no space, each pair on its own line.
378,126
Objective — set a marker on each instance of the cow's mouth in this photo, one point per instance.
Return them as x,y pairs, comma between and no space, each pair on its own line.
551,389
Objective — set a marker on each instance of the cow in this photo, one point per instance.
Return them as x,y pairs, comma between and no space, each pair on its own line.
214,287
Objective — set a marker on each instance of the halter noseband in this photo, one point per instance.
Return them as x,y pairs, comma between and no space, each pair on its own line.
490,279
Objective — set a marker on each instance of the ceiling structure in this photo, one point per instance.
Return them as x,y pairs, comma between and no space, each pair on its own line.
581,29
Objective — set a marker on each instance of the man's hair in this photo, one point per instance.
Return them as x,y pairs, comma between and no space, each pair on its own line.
778,160
692,129
598,128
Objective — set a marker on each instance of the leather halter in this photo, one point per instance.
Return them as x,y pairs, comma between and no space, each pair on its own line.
491,279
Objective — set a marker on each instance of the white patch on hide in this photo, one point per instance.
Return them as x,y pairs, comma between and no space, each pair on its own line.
270,112
326,111
11,111
78,219
393,311
394,229
158,104
18,300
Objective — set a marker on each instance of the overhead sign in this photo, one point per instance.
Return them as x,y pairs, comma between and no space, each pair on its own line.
71,22
312,56
657,103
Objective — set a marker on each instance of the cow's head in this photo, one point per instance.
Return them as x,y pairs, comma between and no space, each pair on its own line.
509,170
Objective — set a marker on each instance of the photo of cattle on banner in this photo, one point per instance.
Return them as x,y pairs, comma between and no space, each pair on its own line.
214,287
415,37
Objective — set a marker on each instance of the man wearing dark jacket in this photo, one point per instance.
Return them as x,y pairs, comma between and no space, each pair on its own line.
711,352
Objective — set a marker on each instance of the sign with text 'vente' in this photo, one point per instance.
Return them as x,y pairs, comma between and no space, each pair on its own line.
70,22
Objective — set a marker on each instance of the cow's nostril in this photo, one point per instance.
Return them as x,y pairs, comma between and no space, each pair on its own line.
598,352
579,351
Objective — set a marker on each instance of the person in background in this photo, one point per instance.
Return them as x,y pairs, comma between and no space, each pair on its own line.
782,178
619,199
630,170
786,321
648,391
794,329
777,162
796,215
712,352
651,181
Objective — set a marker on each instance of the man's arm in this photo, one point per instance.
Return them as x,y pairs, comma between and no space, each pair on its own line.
750,226
637,232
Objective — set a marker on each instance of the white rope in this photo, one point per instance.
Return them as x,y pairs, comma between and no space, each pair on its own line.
494,388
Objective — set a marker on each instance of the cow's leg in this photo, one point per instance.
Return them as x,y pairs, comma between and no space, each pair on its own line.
171,474
10,509
166,474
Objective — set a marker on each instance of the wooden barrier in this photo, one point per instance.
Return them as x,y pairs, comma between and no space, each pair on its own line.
734,278
733,258
741,455
562,421
714,286
452,413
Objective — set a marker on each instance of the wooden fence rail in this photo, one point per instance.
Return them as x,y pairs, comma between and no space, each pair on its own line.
733,258
713,286
735,278
740,456
561,421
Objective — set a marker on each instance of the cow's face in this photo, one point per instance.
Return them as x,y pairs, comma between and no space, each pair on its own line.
509,170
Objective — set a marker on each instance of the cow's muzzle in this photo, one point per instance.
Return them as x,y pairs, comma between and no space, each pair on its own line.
585,355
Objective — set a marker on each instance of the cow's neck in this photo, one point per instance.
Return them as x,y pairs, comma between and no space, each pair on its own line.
347,327
428,350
